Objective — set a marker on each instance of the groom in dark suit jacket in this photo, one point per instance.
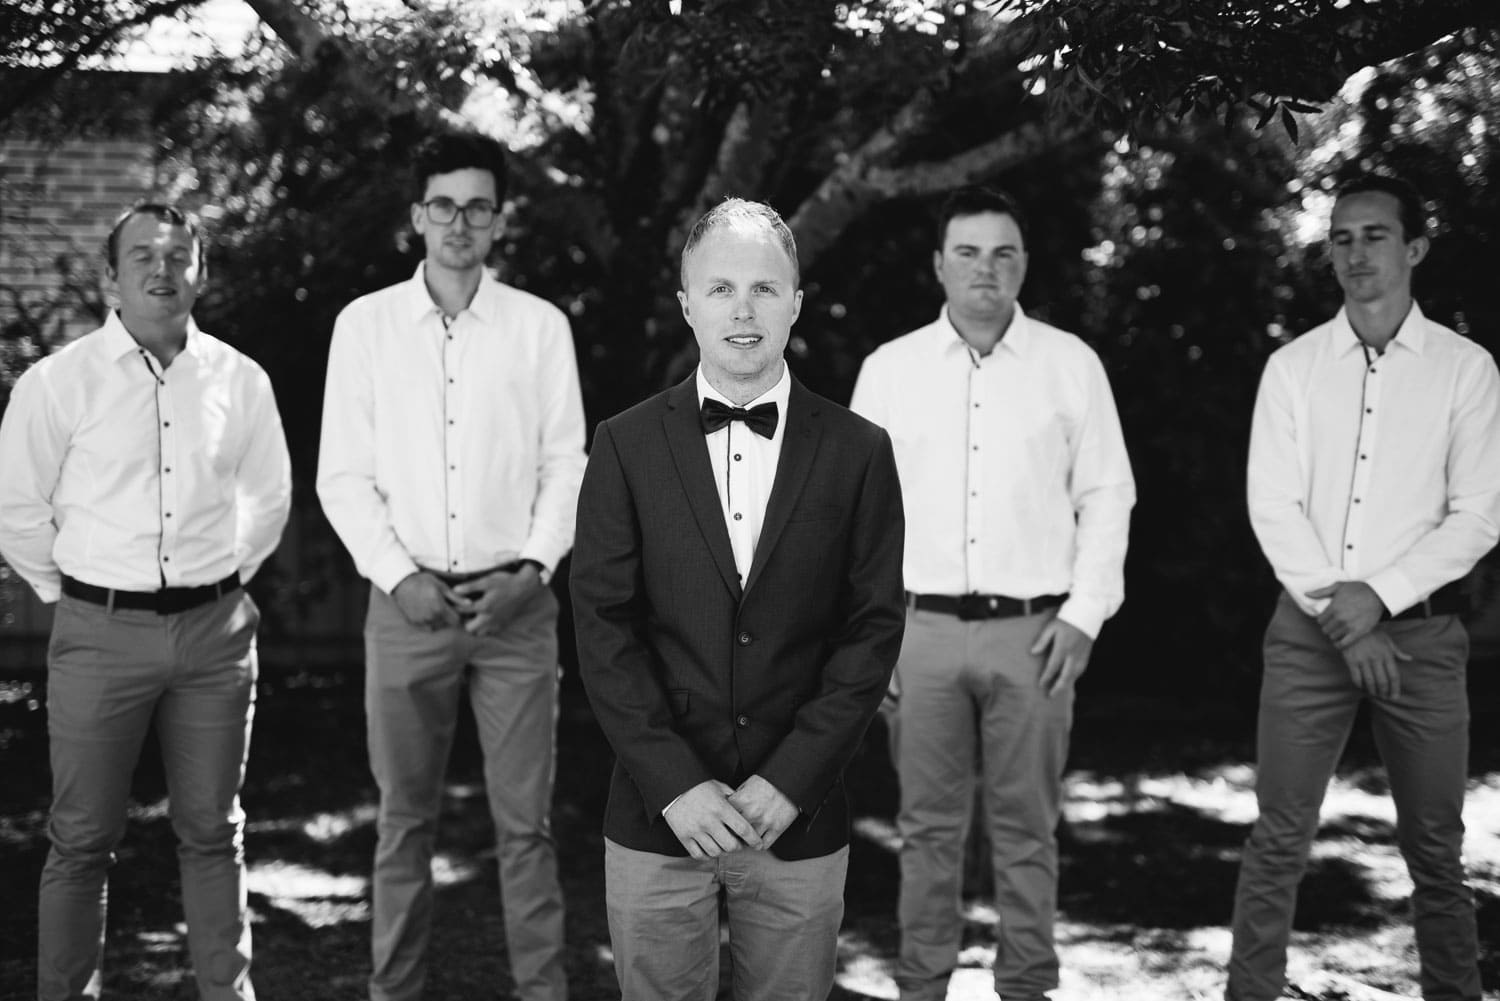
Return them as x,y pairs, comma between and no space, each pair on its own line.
737,593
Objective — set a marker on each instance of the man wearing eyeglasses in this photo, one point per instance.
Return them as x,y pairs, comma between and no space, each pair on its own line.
452,450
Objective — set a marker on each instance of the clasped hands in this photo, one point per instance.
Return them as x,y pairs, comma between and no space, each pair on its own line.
484,605
712,819
1351,621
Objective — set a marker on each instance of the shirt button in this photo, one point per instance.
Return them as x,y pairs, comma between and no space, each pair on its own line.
1350,546
1363,456
739,517
169,514
976,448
742,721
1369,410
166,424
166,559
736,457
167,470
744,639
451,423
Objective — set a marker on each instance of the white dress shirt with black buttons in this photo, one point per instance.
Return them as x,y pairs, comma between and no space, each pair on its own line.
1379,468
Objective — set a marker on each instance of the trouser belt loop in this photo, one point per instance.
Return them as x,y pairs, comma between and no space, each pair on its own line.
109,603
1025,606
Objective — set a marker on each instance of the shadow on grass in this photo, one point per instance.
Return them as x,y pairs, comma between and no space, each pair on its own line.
1144,872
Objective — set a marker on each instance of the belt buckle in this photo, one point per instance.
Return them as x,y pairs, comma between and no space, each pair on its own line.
975,606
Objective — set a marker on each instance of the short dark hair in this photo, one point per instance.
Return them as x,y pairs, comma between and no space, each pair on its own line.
450,151
169,214
977,200
1413,210
740,212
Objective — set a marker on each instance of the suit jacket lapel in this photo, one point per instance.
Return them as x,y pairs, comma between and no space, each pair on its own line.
685,439
799,444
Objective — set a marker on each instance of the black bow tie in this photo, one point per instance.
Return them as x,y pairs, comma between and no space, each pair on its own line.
716,415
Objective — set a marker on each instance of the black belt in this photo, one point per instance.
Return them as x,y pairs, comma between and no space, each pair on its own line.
463,578
164,602
1446,600
983,606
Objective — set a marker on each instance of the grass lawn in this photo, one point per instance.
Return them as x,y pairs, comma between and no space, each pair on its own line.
1159,801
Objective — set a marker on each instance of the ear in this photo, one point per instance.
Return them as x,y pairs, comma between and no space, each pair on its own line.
109,285
937,265
796,305
417,212
1416,250
682,300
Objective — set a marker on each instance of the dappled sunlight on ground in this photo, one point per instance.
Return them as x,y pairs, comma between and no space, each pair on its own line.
1155,817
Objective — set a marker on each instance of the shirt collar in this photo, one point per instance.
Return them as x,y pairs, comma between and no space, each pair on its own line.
486,303
118,342
1411,335
1016,339
778,394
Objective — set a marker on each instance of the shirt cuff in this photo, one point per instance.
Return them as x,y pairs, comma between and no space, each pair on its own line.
1394,590
391,571
1084,614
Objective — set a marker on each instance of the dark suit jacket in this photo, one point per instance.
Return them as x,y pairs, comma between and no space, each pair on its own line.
694,678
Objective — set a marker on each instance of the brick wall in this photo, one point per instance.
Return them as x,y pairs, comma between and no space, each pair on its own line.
57,200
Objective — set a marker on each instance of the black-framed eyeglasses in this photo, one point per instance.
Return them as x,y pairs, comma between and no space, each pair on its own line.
442,211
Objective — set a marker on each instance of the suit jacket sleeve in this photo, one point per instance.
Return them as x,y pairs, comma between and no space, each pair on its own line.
610,613
862,650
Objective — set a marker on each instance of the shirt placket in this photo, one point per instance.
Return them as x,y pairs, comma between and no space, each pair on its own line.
453,470
1351,554
169,476
978,402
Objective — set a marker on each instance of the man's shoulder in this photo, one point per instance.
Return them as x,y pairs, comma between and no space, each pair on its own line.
518,301
1464,349
222,355
837,419
905,348
639,417
379,301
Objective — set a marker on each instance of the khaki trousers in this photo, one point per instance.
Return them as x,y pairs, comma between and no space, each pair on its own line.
412,684
1307,707
108,674
783,924
968,691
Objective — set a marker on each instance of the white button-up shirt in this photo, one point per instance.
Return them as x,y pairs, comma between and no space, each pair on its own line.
744,466
125,475
1013,466
1379,468
452,447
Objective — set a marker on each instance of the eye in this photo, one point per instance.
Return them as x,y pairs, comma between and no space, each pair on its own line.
718,289
767,289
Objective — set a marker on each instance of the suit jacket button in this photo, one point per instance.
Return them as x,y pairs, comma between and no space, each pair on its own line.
742,720
744,639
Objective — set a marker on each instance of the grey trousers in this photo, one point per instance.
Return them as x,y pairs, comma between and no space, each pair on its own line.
783,924
968,688
108,674
1307,707
412,685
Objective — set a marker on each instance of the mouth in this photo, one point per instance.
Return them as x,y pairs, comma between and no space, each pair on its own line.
161,292
744,340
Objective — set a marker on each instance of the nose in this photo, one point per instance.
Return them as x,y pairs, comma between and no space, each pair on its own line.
744,309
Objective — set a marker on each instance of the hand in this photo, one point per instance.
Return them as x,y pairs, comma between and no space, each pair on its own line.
1353,610
706,822
766,807
1374,666
491,601
426,601
1067,648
